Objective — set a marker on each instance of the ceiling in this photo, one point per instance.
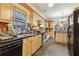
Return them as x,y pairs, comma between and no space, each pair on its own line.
56,11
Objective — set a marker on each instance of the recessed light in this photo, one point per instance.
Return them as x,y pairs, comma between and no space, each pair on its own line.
44,10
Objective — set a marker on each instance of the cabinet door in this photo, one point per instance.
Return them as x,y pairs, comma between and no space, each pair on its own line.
5,10
25,47
65,38
35,39
33,44
51,25
46,24
39,42
29,46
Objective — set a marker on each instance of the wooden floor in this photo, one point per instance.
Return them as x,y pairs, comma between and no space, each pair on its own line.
52,49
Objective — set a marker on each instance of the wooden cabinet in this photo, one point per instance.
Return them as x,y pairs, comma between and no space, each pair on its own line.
46,24
3,27
25,50
36,43
31,44
39,41
37,18
61,37
27,47
49,24
5,11
49,28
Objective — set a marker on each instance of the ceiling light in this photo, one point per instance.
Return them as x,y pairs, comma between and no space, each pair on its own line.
64,19
51,4
60,19
61,25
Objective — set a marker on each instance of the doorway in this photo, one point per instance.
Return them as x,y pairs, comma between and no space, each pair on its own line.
76,32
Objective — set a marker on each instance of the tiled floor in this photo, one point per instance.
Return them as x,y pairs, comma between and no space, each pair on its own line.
52,49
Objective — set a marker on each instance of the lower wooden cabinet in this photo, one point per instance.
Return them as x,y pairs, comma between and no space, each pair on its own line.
24,50
26,47
61,37
29,47
31,44
39,41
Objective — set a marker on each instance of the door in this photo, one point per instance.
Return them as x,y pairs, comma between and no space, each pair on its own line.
70,35
76,32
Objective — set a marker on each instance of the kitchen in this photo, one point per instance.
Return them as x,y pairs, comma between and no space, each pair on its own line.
24,31
21,29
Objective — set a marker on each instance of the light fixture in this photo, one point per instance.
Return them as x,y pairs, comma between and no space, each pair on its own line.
64,19
61,25
51,4
60,19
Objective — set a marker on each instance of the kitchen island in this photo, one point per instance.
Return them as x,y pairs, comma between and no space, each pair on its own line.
61,37
25,44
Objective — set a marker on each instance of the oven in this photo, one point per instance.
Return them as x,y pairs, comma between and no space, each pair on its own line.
12,48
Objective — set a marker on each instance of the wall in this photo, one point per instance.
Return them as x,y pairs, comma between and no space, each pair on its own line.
28,10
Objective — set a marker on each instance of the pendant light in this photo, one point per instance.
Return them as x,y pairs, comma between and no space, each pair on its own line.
51,4
61,19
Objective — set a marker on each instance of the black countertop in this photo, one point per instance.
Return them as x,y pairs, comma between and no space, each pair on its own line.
61,32
9,44
18,38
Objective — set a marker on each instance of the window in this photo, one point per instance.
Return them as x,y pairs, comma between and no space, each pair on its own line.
19,21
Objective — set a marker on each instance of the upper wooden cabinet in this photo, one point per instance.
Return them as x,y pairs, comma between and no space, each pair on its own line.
37,19
22,9
5,11
36,16
49,24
